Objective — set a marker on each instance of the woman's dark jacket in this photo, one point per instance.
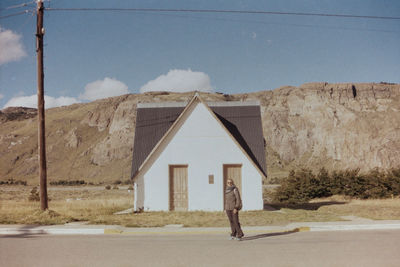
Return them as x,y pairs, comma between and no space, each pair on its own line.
232,199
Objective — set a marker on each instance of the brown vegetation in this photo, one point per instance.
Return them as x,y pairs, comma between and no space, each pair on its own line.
96,205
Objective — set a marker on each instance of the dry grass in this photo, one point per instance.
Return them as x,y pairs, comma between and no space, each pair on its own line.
97,206
66,204
376,209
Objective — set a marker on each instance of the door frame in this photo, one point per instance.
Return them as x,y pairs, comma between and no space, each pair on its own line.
170,190
224,178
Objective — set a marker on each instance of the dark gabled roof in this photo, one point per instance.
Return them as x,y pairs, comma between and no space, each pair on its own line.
244,123
151,125
241,119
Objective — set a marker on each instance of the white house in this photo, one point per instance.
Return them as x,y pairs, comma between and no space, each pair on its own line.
184,153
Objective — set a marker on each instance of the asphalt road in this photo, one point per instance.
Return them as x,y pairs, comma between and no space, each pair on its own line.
340,248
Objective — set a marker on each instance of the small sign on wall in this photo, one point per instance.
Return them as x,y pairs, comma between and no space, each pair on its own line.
211,179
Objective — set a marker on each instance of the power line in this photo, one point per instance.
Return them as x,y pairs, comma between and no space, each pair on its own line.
269,23
28,18
18,6
224,11
16,14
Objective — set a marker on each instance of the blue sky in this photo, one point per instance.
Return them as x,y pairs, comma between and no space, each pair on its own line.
90,55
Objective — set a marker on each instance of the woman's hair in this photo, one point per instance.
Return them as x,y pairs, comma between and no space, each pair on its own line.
230,180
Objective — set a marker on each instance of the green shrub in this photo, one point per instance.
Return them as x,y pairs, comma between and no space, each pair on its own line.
296,188
302,185
393,180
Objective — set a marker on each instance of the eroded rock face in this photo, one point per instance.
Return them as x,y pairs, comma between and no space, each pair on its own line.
332,125
119,143
339,125
316,125
72,139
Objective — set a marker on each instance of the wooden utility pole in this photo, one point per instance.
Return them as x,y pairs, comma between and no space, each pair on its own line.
41,120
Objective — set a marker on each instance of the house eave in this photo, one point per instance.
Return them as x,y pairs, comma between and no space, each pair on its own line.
187,106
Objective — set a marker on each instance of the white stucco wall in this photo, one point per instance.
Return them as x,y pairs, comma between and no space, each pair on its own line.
203,144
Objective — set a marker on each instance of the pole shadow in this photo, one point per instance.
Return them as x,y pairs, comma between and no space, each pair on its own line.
25,232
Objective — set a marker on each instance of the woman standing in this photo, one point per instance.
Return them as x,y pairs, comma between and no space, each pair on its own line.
233,204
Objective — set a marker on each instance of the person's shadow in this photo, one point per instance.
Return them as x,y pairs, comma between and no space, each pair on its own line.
248,238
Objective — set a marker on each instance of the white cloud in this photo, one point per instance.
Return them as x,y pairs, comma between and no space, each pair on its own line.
1,96
11,48
253,35
179,81
31,101
104,88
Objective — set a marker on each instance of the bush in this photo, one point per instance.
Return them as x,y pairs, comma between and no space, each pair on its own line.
393,180
115,187
108,187
130,187
124,182
274,180
11,181
34,196
302,186
298,187
69,183
127,182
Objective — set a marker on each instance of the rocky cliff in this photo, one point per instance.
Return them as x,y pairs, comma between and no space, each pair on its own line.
316,125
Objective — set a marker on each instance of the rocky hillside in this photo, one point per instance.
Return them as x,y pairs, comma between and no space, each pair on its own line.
337,126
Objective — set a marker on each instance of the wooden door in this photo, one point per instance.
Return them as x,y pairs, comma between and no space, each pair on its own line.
234,172
178,187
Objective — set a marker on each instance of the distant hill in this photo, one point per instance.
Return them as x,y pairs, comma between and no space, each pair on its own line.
315,125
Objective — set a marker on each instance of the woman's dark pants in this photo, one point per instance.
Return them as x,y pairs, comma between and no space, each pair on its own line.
234,221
